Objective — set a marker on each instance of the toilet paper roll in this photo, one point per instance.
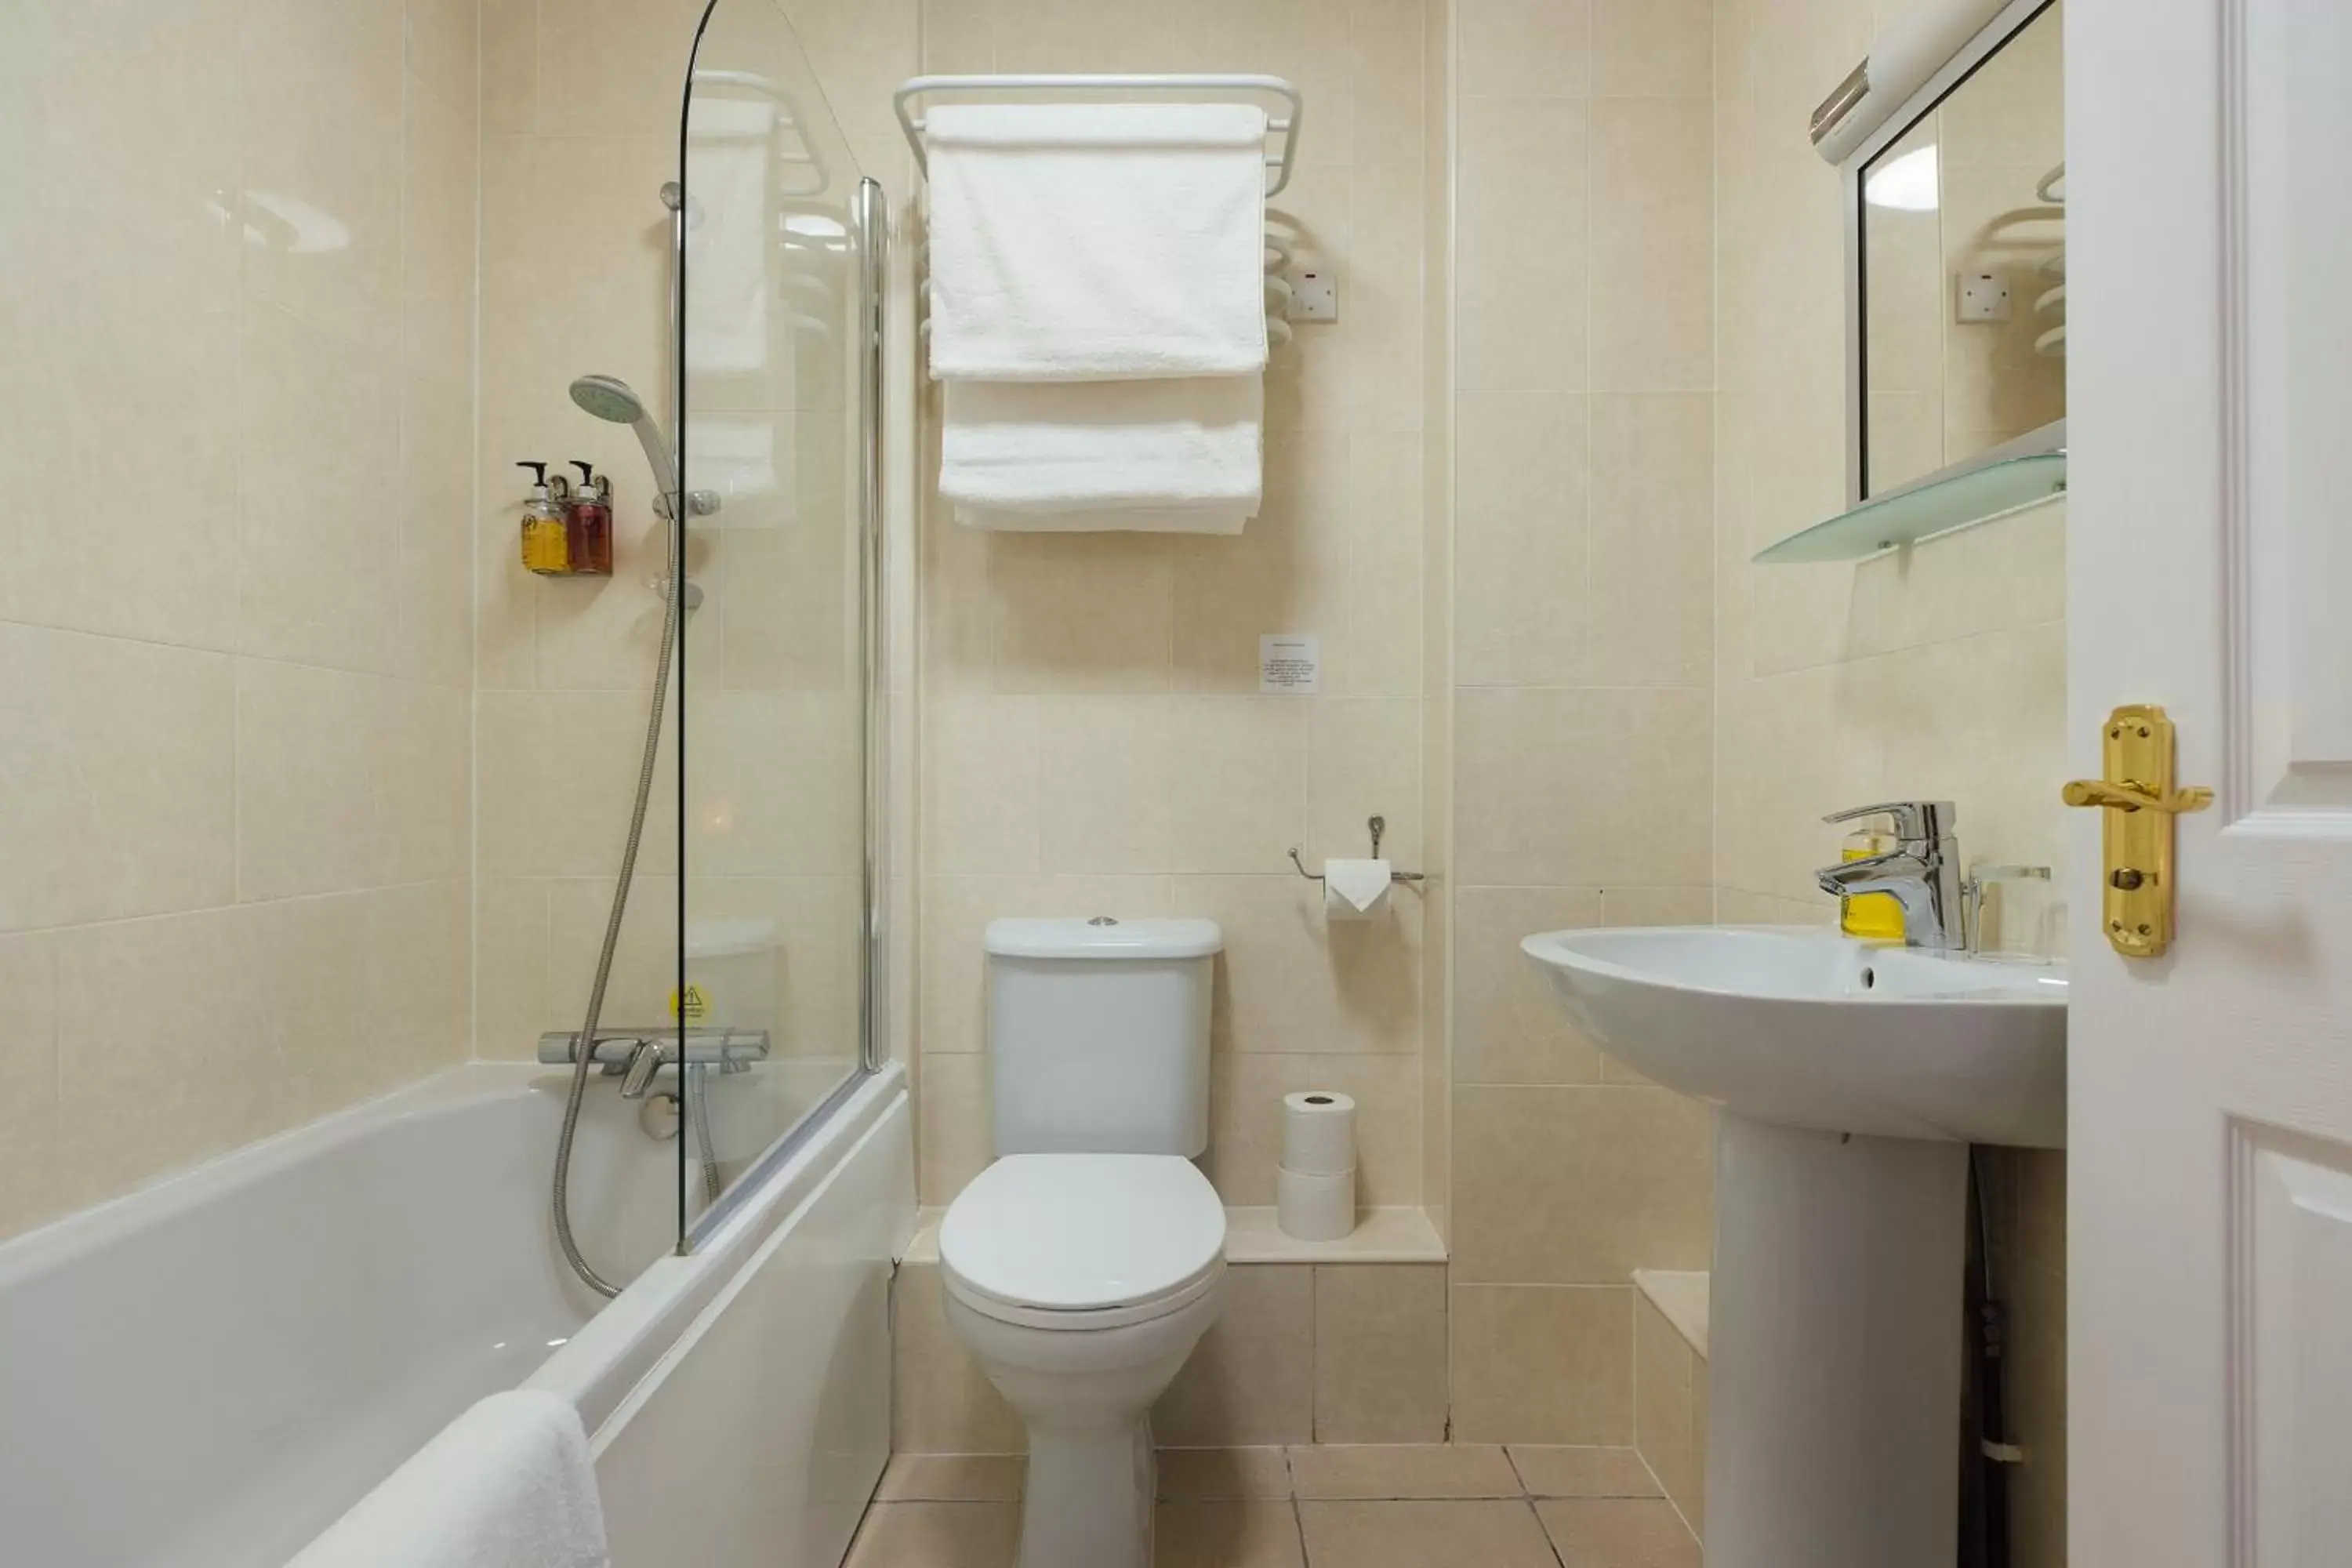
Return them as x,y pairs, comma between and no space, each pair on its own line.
1315,1207
1355,889
1319,1132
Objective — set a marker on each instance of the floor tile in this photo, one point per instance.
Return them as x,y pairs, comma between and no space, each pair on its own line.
1402,1471
1423,1535
953,1477
1233,1534
1193,1475
937,1535
1583,1472
1618,1533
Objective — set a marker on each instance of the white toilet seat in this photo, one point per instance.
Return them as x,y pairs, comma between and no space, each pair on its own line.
1082,1242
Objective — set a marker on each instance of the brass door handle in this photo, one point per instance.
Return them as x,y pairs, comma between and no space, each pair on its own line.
2140,806
2129,797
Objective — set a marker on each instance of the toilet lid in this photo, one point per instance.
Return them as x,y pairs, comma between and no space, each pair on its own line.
1084,1232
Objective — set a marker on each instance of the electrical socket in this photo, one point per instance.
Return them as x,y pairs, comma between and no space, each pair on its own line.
1984,296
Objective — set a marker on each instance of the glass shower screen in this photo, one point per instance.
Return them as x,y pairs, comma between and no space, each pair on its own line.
777,688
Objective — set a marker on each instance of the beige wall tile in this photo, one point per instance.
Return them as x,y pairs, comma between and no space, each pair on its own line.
29,1154
117,793
1252,1378
1381,652
1583,788
1523,538
1081,612
316,411
1652,613
532,749
132,320
1536,1363
1580,1185
1364,761
1245,1092
347,780
1522,223
439,188
1525,49
1652,244
1288,572
942,1402
436,534
955,1139
168,1061
1390,69
322,147
442,45
611,66
1652,48
1291,980
514,1002
1379,1353
1665,1427
1507,1029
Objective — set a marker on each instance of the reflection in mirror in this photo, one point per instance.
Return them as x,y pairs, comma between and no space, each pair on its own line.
1962,261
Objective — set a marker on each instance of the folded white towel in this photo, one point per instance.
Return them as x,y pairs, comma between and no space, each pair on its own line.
1083,446
1097,241
1138,520
507,1484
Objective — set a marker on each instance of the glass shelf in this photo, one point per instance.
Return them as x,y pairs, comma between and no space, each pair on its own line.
1944,504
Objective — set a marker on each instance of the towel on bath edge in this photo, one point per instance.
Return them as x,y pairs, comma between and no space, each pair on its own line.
508,1484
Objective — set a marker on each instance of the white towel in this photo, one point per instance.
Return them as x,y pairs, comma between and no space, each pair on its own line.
1097,241
1163,519
1083,446
507,1484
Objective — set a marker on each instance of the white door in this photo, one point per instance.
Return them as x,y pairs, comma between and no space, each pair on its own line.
2209,255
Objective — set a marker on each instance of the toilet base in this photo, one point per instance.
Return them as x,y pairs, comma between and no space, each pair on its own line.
1089,1496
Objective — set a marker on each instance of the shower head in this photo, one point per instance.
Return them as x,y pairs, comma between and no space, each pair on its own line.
610,398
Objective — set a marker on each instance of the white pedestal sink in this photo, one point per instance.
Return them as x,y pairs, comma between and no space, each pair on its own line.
1851,1079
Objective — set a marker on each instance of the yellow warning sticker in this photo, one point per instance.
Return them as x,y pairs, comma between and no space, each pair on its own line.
691,1006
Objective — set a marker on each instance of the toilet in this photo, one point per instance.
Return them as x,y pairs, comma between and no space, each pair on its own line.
1084,1264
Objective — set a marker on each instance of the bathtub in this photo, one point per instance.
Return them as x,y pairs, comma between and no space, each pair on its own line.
207,1373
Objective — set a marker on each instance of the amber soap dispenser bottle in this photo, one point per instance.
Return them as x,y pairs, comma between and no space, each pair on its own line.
588,524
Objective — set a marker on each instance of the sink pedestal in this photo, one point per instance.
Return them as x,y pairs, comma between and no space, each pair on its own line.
1834,1349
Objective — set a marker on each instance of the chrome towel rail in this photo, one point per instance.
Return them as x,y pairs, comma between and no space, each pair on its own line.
1285,126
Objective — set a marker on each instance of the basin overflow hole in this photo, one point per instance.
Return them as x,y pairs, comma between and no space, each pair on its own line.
1869,978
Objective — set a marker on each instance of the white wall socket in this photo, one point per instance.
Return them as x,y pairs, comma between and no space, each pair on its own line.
1313,292
1984,296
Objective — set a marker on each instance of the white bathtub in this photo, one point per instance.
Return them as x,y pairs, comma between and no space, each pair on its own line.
207,1373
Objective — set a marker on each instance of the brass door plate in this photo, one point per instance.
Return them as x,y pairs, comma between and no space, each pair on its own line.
2137,804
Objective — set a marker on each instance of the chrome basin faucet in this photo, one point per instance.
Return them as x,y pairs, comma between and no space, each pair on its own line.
1922,871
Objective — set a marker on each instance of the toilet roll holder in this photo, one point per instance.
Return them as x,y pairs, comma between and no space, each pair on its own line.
1379,827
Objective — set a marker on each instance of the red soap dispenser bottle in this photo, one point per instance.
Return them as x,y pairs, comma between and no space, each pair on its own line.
588,524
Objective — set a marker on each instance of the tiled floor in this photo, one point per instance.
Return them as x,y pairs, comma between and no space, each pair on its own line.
1404,1507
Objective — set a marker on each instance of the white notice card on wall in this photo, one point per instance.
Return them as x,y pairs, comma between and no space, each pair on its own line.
1288,664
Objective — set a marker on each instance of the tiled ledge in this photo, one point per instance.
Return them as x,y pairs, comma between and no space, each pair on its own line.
1680,1296
1382,1236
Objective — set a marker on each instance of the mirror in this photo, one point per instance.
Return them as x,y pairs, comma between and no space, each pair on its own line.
1959,256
